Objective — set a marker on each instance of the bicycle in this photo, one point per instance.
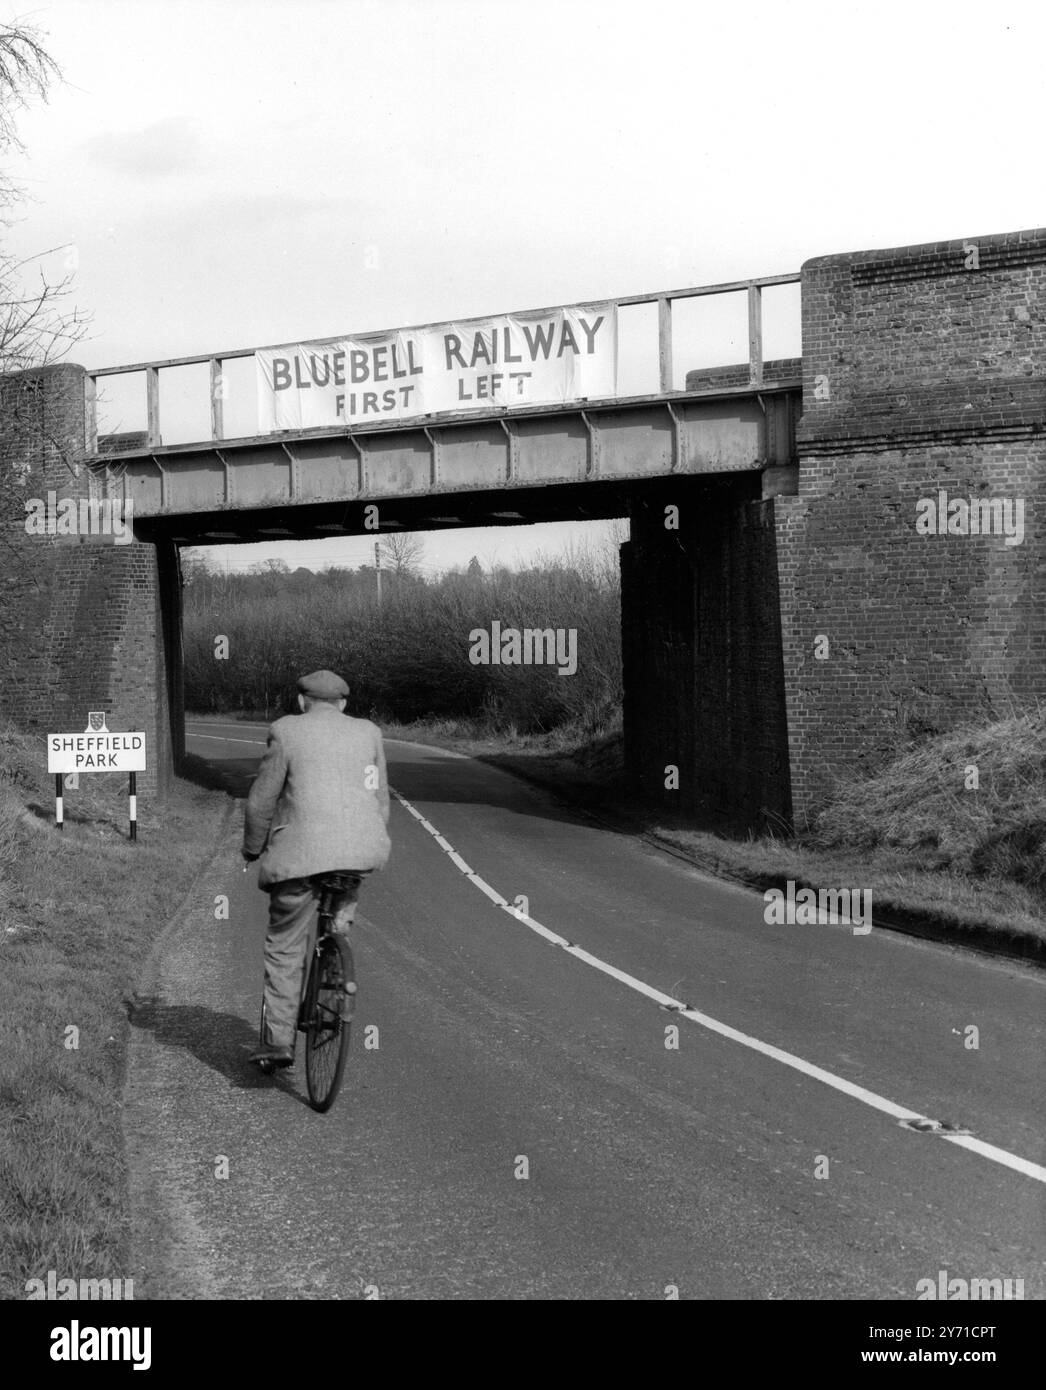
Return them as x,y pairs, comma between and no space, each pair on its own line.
328,1000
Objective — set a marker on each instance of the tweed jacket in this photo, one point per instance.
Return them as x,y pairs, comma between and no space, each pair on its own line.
314,805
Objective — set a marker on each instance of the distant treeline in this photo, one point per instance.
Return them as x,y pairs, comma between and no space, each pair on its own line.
406,658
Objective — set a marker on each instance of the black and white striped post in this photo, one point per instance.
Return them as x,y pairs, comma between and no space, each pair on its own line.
132,803
59,801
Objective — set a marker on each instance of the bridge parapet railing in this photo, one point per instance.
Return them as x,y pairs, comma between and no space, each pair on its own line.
215,362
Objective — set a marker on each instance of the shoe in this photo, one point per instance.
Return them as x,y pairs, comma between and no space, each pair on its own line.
270,1057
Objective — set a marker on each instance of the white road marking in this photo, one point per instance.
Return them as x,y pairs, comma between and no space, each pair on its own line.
491,893
228,723
224,738
248,724
777,1054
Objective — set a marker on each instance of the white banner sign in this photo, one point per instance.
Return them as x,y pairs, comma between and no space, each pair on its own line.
96,752
513,360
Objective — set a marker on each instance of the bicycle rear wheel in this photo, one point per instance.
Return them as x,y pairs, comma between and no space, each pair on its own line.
329,1001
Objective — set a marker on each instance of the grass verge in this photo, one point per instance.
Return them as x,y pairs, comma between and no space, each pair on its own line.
79,911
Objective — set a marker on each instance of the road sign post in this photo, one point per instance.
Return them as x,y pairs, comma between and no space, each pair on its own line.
97,750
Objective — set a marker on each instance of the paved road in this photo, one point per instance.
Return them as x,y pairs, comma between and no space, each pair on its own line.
649,1168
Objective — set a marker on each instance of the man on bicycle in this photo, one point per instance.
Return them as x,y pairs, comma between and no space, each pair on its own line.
319,804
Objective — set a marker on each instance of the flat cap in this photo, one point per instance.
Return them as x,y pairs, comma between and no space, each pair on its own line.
324,685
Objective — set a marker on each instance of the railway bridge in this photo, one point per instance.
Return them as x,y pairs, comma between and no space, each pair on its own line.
823,563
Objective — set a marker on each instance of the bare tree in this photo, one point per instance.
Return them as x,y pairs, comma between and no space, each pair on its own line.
402,552
37,324
26,70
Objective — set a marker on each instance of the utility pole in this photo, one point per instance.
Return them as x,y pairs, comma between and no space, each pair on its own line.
377,568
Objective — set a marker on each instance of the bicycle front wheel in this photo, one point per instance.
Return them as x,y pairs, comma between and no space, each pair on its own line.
328,1013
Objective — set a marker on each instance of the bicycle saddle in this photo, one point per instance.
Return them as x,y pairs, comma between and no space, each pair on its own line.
339,881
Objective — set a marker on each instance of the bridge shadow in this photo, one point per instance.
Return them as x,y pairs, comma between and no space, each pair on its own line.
528,788
221,1041
425,777
551,787
613,802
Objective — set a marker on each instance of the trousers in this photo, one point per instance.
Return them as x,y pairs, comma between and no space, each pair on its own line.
293,917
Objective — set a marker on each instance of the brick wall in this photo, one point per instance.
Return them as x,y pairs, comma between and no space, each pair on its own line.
80,625
780,371
918,374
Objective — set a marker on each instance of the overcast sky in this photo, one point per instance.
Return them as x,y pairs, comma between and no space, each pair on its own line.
232,174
